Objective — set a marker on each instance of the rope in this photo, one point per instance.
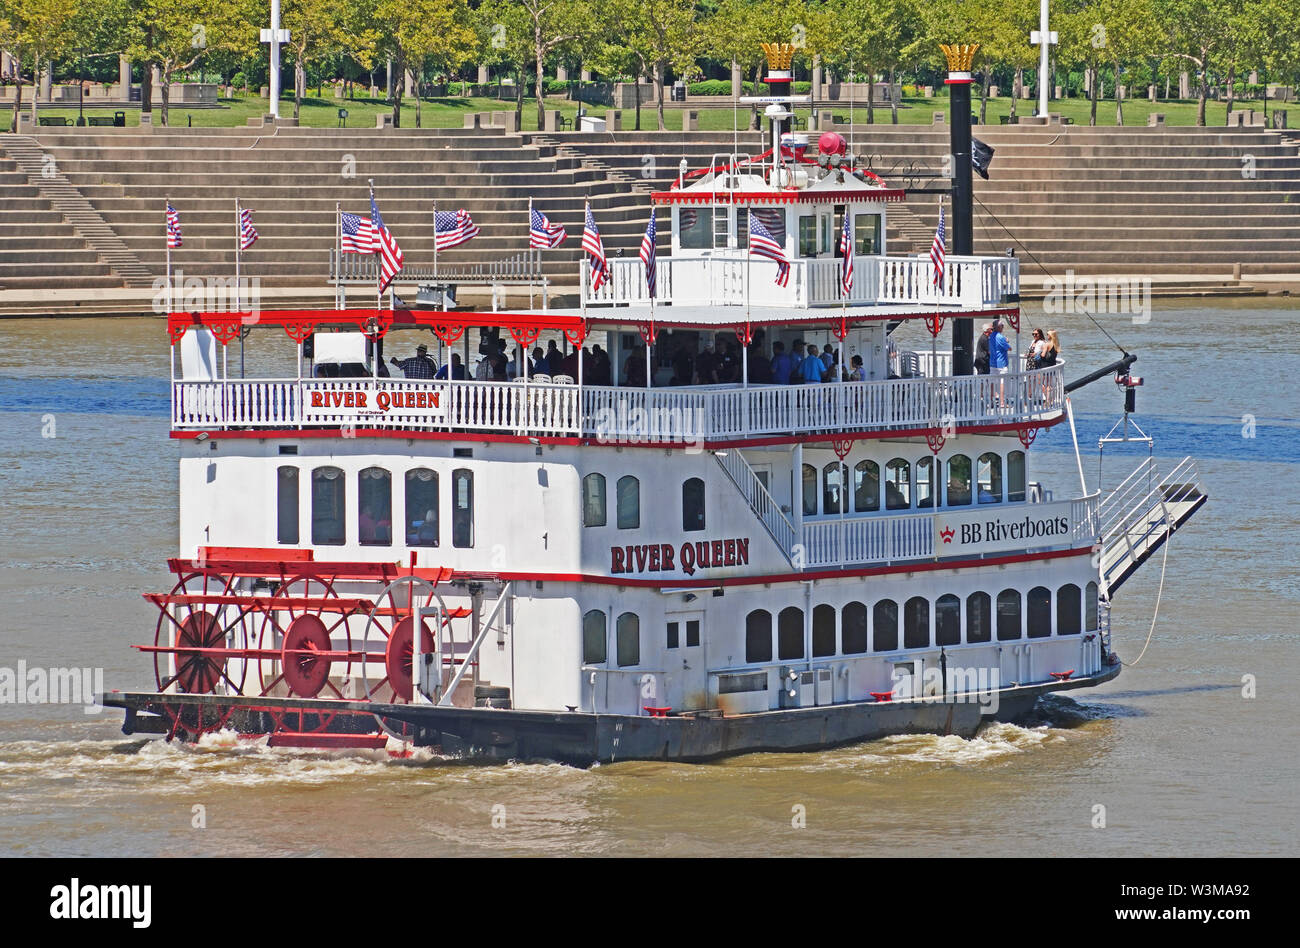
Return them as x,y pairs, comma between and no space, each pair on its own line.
1164,561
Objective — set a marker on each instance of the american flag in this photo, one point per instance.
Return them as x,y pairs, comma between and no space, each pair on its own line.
761,243
542,233
451,230
247,233
774,220
648,253
596,251
846,255
937,258
358,234
173,227
390,255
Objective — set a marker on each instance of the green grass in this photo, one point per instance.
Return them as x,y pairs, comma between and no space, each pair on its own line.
449,112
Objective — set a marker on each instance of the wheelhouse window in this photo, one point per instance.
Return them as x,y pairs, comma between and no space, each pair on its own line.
990,478
947,620
695,226
823,631
853,631
375,507
884,623
809,490
916,623
1008,615
926,482
1069,610
328,507
628,502
1016,477
593,638
866,234
1090,614
421,507
1039,612
789,633
693,504
627,640
866,486
808,235
286,505
834,478
462,508
898,485
758,636
958,480
593,500
979,617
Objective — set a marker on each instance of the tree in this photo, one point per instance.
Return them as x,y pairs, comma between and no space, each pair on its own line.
38,30
320,28
505,38
738,27
1194,30
417,32
554,23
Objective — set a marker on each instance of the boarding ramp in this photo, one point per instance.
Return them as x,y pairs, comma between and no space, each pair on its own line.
1139,515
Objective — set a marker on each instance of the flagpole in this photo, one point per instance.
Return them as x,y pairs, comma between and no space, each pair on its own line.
339,291
435,252
167,241
379,268
238,301
530,243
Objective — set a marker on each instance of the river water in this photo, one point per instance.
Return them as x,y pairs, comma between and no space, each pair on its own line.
1181,758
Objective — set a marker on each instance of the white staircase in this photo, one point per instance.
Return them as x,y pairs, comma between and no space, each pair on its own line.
1140,514
759,500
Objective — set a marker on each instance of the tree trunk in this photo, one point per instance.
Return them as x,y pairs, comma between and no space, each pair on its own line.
659,90
1232,82
18,95
1015,91
297,86
166,77
541,96
871,95
146,88
519,98
637,92
1119,101
419,101
1092,95
984,97
36,85
1202,95
754,121
893,99
399,69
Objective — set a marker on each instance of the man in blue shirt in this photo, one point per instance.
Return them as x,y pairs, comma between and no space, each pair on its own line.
782,364
998,350
457,370
813,369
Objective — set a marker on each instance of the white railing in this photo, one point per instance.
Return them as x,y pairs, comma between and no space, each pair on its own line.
678,415
731,278
759,500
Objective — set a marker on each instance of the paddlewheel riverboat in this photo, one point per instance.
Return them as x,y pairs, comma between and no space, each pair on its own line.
673,553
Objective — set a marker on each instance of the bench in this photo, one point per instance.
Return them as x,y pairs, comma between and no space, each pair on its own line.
105,120
52,120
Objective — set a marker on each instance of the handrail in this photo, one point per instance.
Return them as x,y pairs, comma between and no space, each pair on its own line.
759,500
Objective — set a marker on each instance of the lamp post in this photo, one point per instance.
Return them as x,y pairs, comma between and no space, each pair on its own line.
81,90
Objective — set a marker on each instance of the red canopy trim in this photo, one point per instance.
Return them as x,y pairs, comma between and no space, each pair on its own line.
887,195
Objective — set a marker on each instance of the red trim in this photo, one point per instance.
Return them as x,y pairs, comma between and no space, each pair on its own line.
886,195
298,323
831,319
959,82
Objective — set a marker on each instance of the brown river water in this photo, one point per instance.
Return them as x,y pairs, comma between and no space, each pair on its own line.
1181,760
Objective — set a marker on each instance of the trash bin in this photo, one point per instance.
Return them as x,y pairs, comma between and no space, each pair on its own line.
679,91
119,120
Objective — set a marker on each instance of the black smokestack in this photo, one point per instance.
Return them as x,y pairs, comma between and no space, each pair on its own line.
963,227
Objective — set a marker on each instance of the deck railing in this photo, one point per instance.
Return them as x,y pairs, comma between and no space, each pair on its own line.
679,415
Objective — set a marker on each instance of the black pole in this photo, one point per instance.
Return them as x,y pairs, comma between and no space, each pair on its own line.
1119,365
963,330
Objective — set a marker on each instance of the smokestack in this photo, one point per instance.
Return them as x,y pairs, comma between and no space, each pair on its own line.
779,75
959,82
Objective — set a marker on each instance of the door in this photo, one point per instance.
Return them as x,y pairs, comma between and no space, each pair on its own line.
686,685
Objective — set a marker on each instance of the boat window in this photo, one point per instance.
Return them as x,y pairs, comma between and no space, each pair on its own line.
593,500
823,631
853,633
807,235
593,638
327,506
1039,612
789,633
866,234
1068,610
916,623
827,231
692,633
773,219
979,617
286,505
693,504
421,507
834,477
375,507
628,500
926,482
958,480
627,639
1008,615
866,486
462,508
1091,614
694,228
990,478
1016,477
898,485
947,620
809,491
758,636
884,623
674,634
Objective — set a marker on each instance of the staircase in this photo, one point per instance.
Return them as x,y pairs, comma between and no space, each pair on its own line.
768,511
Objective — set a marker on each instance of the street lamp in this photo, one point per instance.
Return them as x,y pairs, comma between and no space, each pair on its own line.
81,90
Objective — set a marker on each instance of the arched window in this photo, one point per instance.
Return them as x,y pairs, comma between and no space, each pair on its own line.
593,638
789,633
462,508
947,620
809,474
884,624
422,507
1090,612
926,482
1039,612
758,636
693,504
866,486
327,507
979,617
1008,615
627,640
593,500
958,480
375,507
629,502
853,632
898,485
1016,477
823,631
990,478
1069,610
834,477
916,623
286,505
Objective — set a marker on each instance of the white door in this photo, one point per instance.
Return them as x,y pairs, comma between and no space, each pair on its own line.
687,682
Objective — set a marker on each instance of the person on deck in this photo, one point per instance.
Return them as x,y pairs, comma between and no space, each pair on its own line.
600,367
760,369
782,364
999,350
982,350
457,370
554,359
419,366
813,368
538,366
858,374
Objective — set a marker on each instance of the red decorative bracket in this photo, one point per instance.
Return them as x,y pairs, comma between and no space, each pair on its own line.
935,439
1014,320
376,327
1027,436
524,335
299,329
842,330
649,332
745,334
934,323
842,447
450,335
576,336
226,330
